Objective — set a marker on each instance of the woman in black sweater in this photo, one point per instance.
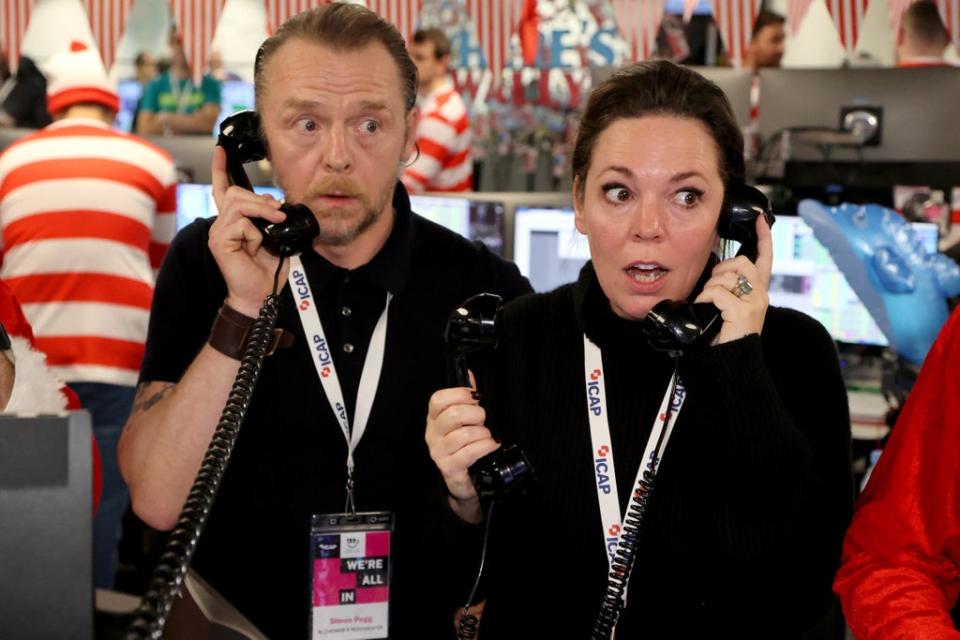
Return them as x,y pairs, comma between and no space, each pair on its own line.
751,492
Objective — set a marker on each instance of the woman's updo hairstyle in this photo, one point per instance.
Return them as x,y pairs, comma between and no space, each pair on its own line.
659,88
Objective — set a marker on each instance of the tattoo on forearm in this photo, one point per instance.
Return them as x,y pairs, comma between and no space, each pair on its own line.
140,403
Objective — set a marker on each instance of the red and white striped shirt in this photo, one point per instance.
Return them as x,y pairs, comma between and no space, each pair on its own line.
86,214
443,137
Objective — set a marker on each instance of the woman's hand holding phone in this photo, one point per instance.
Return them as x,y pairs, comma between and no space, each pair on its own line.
456,437
742,312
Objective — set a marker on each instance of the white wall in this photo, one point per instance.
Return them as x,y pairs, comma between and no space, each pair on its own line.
53,23
148,26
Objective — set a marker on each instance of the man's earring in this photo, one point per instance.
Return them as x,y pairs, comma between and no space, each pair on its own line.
416,146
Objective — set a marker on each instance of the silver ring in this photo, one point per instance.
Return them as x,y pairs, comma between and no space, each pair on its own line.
743,287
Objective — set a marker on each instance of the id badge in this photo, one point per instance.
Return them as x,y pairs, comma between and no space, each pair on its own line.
350,561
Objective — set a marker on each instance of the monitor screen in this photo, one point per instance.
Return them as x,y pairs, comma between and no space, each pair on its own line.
805,278
472,218
235,95
547,247
196,201
129,92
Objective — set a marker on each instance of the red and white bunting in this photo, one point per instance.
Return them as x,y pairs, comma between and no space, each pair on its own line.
688,8
847,16
108,20
639,22
950,12
279,11
897,9
796,12
197,21
403,14
14,16
734,20
496,23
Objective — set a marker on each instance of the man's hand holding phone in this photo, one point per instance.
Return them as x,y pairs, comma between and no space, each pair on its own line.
235,242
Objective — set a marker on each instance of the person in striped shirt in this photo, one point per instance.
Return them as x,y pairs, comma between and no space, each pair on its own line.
86,214
443,134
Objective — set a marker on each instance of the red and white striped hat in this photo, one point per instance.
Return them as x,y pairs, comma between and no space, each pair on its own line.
78,76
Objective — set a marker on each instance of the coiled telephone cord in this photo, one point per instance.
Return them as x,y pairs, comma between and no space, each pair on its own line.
168,576
622,565
469,623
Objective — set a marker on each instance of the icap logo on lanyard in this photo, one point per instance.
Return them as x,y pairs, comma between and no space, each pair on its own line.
594,392
602,467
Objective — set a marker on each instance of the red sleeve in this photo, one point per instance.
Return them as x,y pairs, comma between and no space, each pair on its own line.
11,315
901,559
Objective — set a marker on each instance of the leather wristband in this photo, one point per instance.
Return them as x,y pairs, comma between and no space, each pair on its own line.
230,332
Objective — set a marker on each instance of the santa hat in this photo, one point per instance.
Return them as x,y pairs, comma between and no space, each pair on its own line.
77,76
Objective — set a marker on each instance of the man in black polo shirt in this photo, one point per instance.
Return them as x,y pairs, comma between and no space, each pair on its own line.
336,91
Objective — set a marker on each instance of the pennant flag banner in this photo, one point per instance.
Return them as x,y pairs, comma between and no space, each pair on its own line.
14,16
197,21
496,23
639,21
897,9
108,20
796,12
847,16
950,12
734,20
403,14
279,11
688,8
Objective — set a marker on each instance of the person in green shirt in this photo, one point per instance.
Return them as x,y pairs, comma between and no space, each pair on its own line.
173,104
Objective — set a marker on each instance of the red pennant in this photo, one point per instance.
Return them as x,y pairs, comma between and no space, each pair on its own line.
14,16
108,21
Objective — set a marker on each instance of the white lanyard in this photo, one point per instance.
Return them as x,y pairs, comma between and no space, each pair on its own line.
323,361
181,94
611,519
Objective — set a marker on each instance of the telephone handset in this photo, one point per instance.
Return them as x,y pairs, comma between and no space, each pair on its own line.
677,325
241,139
473,326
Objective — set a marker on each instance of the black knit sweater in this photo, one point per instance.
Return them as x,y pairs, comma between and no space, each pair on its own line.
744,530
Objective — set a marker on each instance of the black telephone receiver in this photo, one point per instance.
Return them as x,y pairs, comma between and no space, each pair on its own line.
677,325
240,138
472,327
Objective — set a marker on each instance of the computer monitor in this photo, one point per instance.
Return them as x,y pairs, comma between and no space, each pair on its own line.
917,109
235,95
129,92
547,248
196,201
805,278
46,536
470,215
